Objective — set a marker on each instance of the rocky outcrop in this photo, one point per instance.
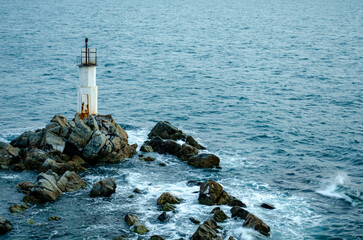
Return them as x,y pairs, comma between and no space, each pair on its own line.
98,139
204,160
105,188
134,222
211,193
207,230
166,130
8,154
49,186
251,221
25,187
5,225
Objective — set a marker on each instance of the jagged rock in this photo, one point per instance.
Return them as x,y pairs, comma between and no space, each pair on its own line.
93,147
54,218
131,219
146,148
209,192
71,182
46,188
5,225
187,151
267,206
235,202
204,160
191,141
167,198
239,212
156,237
224,198
25,187
166,130
22,141
219,215
80,135
51,141
193,220
251,221
254,222
106,187
163,217
165,146
166,207
207,230
18,208
8,154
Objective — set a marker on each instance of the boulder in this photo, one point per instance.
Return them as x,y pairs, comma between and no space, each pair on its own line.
187,151
80,135
251,221
146,148
165,146
219,215
191,141
209,192
267,206
166,130
163,217
194,220
22,141
46,188
167,198
235,202
18,208
204,160
34,159
207,230
106,187
8,154
71,182
25,187
254,222
166,207
5,225
131,219
156,237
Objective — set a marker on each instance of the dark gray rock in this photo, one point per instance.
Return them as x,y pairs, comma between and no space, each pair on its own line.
93,147
131,219
267,206
167,198
8,154
219,216
254,222
166,130
239,212
156,237
235,202
191,141
106,187
25,187
146,148
204,160
194,220
187,151
5,225
210,192
163,217
51,141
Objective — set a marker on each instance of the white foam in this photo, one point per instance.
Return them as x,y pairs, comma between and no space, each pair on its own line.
331,188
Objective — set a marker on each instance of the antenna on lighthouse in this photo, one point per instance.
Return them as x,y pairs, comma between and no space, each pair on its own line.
87,90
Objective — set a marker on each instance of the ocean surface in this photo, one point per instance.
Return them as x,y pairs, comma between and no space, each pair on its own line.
274,88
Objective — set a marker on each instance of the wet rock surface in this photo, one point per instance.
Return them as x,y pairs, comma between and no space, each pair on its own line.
204,160
207,230
5,225
105,187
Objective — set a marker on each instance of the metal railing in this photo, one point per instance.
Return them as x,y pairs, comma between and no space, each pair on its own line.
88,57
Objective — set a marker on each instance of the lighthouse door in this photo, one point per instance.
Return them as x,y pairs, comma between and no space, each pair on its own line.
85,106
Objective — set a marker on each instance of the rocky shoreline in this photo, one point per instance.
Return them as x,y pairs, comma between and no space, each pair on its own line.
64,148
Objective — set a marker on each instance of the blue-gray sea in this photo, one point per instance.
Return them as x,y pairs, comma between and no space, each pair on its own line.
272,87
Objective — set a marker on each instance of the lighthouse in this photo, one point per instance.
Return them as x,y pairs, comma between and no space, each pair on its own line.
87,89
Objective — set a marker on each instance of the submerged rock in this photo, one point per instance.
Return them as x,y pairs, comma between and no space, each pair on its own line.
194,220
156,237
5,225
54,218
133,220
207,230
267,206
18,208
167,207
106,187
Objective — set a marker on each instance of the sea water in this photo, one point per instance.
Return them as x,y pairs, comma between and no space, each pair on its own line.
272,87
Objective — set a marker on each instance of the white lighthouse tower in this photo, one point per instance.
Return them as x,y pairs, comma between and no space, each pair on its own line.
87,89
